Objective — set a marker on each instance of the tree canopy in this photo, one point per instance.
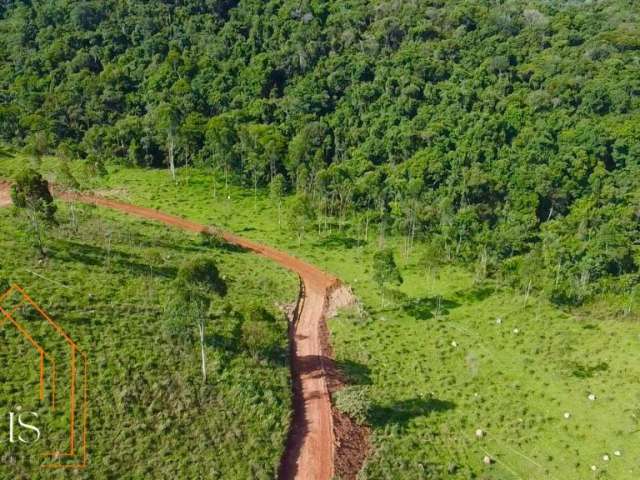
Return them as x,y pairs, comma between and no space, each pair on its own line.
510,125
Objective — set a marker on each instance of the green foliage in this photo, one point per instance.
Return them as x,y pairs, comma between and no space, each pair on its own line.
259,337
199,276
31,191
458,122
301,215
385,269
446,367
5,152
353,401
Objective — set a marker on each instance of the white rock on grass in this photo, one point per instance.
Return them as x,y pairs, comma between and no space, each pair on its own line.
516,331
498,320
454,344
487,460
605,457
479,433
617,453
592,397
593,468
567,415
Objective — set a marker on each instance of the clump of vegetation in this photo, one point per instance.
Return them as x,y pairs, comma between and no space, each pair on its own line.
354,401
385,271
259,333
30,194
197,283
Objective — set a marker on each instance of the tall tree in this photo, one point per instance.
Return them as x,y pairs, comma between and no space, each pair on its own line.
277,190
168,118
385,271
197,283
30,194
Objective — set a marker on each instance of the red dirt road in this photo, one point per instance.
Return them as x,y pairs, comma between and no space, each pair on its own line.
310,448
5,198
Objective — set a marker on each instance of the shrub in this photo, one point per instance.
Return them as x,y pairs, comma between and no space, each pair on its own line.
353,401
259,337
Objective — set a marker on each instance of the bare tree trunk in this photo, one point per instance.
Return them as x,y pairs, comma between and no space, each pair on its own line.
226,179
366,227
74,218
438,307
255,191
527,293
108,237
172,165
279,214
412,235
203,358
381,234
37,230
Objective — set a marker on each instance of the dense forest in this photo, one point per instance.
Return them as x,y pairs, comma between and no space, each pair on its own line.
504,133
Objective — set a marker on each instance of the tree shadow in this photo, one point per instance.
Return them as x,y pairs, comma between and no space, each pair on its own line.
353,373
402,412
423,308
70,251
476,294
339,241
213,240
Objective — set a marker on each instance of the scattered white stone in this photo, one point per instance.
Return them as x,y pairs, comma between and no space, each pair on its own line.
487,460
498,320
479,433
515,330
594,468
592,397
454,344
475,394
567,415
605,457
617,453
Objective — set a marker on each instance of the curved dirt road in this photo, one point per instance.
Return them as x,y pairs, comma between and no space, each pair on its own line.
310,447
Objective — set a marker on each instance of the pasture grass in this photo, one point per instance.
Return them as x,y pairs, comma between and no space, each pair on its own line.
450,354
151,415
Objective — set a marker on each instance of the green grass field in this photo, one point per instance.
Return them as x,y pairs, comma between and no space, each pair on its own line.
450,355
151,415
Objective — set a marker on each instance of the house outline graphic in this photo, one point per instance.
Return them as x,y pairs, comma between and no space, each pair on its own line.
78,396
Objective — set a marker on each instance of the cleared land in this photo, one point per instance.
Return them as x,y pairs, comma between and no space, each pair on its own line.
108,284
310,447
423,385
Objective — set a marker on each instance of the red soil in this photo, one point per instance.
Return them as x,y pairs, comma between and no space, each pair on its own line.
5,198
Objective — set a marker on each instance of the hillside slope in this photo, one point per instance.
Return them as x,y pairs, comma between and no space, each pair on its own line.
510,126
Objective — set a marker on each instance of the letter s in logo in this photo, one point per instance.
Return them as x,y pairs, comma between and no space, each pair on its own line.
28,426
